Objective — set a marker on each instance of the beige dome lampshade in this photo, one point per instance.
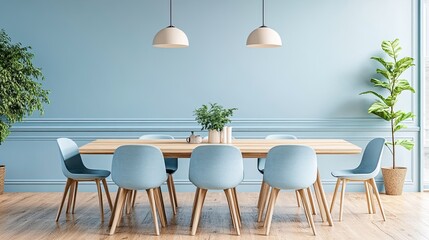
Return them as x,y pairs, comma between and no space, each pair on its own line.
264,37
170,37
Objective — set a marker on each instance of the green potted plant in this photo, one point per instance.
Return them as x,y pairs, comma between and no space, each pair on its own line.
20,92
385,108
213,117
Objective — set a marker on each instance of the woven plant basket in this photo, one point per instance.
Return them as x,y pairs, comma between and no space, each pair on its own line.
394,180
2,174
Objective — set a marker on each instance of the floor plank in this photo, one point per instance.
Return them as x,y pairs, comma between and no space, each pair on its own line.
32,216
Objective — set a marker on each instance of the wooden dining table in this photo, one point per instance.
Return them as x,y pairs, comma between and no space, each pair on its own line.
250,148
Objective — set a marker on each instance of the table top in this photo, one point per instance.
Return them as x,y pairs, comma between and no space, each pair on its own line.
250,148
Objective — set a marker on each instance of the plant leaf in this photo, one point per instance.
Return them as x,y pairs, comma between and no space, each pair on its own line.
379,83
407,144
385,73
380,109
399,127
401,116
402,85
392,48
374,93
387,65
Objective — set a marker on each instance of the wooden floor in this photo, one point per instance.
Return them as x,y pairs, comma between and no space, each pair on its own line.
31,216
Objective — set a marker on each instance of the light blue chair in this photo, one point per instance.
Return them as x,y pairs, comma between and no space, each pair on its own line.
290,167
218,167
138,167
263,193
75,172
171,166
368,168
261,161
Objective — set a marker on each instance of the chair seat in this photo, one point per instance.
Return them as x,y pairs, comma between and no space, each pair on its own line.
171,165
171,170
88,174
352,174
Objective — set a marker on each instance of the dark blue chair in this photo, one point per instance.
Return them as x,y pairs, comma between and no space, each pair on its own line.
75,171
171,166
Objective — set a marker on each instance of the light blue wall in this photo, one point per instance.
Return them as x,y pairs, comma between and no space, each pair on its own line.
108,81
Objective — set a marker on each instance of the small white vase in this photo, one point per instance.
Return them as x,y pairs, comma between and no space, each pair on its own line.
214,136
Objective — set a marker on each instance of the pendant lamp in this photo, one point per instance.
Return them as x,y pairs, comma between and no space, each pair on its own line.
170,37
263,36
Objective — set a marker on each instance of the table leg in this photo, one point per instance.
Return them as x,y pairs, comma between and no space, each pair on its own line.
323,196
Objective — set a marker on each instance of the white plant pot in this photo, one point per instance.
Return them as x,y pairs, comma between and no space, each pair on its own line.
214,136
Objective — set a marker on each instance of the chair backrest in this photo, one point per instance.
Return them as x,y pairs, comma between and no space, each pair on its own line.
281,136
261,161
138,167
170,163
291,167
156,136
71,161
216,166
371,158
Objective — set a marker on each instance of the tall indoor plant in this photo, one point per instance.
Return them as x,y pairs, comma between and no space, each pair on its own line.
213,117
20,91
385,108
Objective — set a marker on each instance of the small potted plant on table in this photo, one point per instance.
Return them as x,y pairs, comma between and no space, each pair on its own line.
213,117
385,108
20,94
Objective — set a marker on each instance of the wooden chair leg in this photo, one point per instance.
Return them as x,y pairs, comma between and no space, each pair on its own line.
129,201
170,184
71,196
119,202
123,206
133,203
151,196
194,205
114,207
371,197
74,196
231,202
319,202
377,195
100,198
368,197
307,209
297,198
343,190
106,191
174,193
237,208
160,206
230,208
264,200
325,213
66,189
260,195
335,194
312,204
198,207
270,209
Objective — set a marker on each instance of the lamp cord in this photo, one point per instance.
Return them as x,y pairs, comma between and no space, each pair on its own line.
263,13
171,13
